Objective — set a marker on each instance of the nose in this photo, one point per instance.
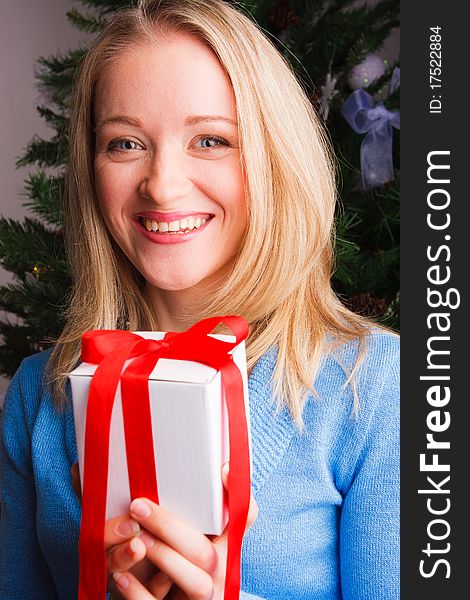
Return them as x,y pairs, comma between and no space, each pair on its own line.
165,180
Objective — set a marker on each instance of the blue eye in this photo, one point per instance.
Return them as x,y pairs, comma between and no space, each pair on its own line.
123,145
211,142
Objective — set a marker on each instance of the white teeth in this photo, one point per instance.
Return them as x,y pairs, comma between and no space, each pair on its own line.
187,223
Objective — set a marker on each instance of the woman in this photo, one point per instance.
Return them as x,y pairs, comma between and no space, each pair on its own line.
200,183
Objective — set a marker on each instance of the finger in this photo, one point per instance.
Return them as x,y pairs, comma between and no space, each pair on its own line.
124,556
131,588
253,512
225,471
253,509
183,538
160,585
193,580
120,529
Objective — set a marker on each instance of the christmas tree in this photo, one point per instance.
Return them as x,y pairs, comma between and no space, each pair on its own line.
331,45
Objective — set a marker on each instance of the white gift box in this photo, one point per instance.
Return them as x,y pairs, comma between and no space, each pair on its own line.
190,436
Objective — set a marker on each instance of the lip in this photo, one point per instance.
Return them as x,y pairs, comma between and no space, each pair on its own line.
170,238
167,217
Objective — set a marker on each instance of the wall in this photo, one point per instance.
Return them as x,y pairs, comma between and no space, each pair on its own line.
28,29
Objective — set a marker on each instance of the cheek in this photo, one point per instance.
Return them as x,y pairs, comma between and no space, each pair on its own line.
227,187
112,213
104,188
108,206
238,198
110,186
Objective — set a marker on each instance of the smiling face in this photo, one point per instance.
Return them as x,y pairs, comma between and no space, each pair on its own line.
167,164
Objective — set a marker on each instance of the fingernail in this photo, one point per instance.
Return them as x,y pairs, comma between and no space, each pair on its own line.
127,528
225,469
135,544
121,580
140,508
148,540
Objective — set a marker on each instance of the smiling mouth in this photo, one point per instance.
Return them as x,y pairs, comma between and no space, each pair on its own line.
177,227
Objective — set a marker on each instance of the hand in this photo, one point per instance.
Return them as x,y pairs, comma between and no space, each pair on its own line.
190,560
125,550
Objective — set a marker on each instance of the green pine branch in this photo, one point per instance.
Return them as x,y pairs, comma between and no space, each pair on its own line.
54,119
55,74
347,251
33,299
107,6
34,318
391,318
44,153
28,244
88,23
45,192
20,340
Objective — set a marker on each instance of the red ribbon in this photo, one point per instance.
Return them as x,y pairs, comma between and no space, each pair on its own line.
110,349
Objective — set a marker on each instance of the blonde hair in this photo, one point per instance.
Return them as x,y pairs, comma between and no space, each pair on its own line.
280,281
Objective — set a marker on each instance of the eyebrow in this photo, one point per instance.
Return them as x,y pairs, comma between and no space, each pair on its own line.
134,122
207,118
191,120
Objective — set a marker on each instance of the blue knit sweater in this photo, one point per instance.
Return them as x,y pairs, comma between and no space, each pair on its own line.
328,497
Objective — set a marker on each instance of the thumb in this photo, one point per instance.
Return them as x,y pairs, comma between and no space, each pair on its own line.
253,509
225,472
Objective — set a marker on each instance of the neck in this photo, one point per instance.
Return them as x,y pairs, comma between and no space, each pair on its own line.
176,310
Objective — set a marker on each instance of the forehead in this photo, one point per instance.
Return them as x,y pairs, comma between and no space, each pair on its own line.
175,74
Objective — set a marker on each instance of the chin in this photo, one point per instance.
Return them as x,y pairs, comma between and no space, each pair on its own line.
203,282
173,284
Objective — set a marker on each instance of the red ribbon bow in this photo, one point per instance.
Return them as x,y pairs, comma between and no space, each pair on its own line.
110,349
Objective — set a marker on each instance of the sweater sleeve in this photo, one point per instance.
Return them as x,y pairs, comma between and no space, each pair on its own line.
24,572
369,527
